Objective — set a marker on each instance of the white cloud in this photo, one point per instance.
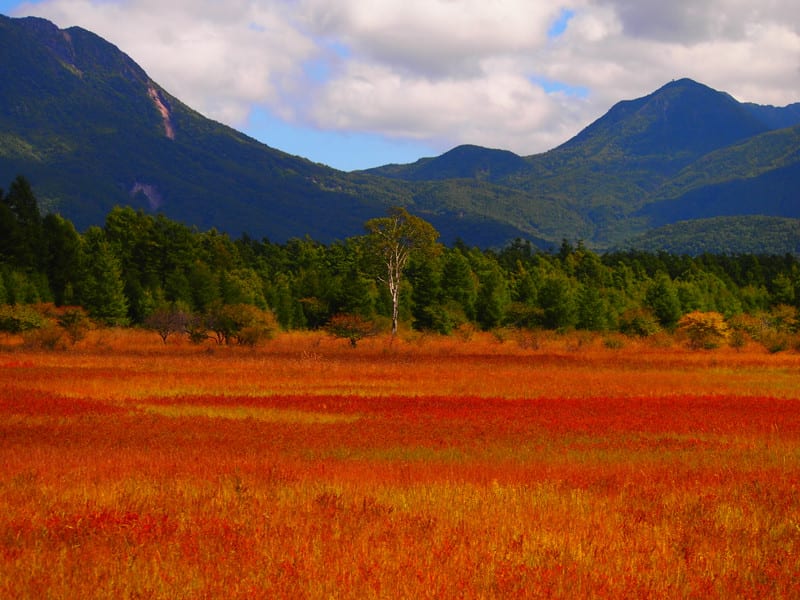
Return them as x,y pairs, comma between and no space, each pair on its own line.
445,72
219,57
434,38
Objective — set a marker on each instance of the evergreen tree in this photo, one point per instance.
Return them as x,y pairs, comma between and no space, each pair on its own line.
63,257
493,298
662,298
425,295
8,233
458,283
355,296
26,239
102,292
592,311
558,301
204,286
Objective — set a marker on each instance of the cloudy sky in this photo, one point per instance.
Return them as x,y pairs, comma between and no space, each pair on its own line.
356,84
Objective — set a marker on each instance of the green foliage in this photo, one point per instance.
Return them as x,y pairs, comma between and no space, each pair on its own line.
559,302
24,230
592,310
393,240
639,322
662,298
704,330
734,235
19,318
151,271
102,291
493,297
242,324
459,285
62,259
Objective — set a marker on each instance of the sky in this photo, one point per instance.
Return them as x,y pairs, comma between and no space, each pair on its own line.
355,84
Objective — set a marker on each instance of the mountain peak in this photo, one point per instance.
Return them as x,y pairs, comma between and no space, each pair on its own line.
466,161
680,121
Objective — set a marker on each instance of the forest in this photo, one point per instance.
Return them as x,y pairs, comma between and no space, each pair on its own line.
146,270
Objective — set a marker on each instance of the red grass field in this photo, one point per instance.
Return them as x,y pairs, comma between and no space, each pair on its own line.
423,468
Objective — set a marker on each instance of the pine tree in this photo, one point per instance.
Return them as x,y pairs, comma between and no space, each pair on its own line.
102,291
26,236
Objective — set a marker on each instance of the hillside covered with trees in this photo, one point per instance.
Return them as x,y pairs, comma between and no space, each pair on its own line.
91,130
145,270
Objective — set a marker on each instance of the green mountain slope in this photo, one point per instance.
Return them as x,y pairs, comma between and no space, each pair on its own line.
723,235
467,161
88,127
91,130
685,151
756,177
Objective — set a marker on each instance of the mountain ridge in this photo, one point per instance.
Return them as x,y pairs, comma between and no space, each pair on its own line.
90,129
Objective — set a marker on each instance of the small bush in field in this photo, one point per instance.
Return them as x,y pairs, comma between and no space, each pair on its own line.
248,325
18,318
243,324
196,329
639,322
530,339
704,330
753,326
783,318
738,339
351,327
775,341
466,331
47,337
75,323
167,320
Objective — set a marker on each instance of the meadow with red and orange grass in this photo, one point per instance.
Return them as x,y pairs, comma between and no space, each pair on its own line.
427,467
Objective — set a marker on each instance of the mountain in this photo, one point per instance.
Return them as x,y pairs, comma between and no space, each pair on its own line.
90,129
684,152
467,161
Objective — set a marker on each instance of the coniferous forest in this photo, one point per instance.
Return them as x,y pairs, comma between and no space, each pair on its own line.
150,271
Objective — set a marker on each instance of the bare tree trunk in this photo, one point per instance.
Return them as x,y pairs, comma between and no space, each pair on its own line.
394,290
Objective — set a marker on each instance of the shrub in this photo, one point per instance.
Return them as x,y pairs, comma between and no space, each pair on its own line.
613,343
166,320
48,337
75,323
704,330
639,322
775,341
351,327
783,318
16,318
196,329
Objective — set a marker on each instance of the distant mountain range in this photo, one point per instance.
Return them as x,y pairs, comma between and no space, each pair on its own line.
90,130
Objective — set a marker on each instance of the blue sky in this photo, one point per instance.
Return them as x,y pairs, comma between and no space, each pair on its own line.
354,84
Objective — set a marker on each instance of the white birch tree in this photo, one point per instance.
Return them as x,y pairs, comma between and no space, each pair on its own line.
394,239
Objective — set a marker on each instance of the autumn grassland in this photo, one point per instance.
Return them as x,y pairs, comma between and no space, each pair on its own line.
519,466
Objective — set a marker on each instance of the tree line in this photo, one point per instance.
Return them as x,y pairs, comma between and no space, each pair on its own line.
143,269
